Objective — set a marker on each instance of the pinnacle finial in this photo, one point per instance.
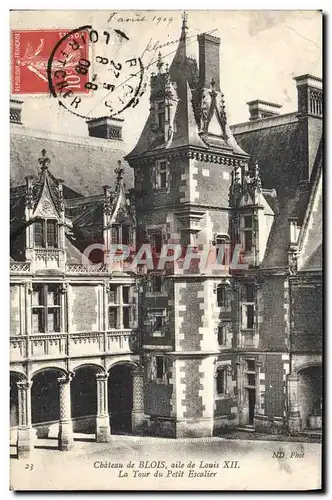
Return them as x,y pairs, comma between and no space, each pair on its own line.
43,160
159,62
184,21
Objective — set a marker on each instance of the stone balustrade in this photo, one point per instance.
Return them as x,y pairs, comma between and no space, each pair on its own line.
55,345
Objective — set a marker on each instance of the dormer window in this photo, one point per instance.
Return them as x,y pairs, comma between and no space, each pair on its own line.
45,233
160,110
121,235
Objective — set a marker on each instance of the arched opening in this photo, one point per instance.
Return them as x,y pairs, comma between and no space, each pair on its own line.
84,400
45,407
120,398
310,396
14,378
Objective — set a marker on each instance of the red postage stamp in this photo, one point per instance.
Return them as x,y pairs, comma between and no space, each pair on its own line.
30,53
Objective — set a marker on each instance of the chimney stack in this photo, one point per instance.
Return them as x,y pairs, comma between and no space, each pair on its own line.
262,109
106,128
15,111
309,95
208,50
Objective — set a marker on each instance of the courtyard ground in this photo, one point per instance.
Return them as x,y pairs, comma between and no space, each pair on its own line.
144,463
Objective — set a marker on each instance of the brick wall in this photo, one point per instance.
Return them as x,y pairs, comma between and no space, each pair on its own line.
191,381
272,328
307,317
188,315
157,399
213,183
273,366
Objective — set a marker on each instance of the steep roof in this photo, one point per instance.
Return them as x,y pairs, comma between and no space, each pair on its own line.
276,144
196,116
84,163
310,238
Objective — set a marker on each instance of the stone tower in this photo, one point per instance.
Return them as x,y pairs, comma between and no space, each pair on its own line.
183,163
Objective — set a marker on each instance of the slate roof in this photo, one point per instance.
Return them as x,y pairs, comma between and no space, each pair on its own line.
85,164
180,85
276,144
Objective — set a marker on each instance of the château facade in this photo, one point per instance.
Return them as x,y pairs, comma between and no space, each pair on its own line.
177,350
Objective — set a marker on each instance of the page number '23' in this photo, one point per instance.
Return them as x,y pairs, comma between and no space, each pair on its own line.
28,467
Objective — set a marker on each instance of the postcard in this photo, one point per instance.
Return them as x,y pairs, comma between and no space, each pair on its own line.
166,283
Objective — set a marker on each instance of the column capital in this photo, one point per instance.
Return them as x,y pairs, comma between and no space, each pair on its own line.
66,379
24,385
293,377
138,371
63,288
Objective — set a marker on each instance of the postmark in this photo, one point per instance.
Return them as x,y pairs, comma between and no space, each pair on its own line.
115,75
30,53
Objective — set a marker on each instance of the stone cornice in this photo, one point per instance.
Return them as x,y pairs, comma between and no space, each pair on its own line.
191,152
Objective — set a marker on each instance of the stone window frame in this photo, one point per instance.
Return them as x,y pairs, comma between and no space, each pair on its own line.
222,239
150,288
139,179
248,229
245,304
42,306
120,304
224,325
161,167
45,224
117,234
159,312
227,298
248,372
153,368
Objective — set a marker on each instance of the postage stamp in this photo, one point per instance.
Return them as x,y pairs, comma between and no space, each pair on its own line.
116,80
30,52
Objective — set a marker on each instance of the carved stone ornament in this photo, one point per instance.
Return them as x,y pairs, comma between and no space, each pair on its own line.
63,288
292,263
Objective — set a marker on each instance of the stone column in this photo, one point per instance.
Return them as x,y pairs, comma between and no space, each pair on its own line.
103,429
239,391
258,388
120,308
138,401
294,414
65,436
24,429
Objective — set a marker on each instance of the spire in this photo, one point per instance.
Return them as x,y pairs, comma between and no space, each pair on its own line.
184,25
160,63
179,63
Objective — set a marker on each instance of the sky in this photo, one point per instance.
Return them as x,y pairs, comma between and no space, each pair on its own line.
260,53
